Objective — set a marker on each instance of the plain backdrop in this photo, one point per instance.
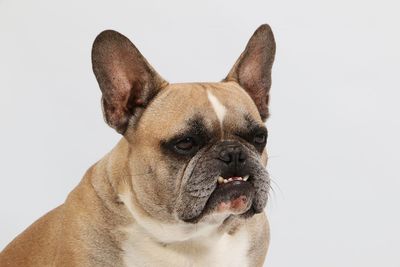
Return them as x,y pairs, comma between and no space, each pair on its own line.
334,129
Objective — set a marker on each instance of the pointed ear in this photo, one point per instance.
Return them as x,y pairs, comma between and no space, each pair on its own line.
126,79
252,71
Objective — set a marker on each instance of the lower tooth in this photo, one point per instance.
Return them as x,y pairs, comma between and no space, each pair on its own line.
245,178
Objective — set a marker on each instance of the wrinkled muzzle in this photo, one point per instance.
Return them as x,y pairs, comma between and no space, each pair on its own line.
227,177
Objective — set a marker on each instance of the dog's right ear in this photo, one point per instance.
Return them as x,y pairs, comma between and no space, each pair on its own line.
126,79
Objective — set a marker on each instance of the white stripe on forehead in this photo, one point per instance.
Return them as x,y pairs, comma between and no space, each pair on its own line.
219,109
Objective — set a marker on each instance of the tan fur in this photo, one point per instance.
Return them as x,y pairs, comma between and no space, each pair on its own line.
89,224
122,213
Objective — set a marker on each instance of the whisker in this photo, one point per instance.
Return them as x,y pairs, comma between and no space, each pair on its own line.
272,185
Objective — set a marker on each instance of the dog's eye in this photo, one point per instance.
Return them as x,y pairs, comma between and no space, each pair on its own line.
186,144
260,138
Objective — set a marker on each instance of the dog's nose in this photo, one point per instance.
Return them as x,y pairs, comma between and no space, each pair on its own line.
232,155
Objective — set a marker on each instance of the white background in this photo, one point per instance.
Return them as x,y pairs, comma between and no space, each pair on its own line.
334,129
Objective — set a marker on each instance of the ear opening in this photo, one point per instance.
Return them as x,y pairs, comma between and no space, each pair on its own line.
127,81
252,71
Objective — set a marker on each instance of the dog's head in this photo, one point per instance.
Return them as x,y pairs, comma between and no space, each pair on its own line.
195,149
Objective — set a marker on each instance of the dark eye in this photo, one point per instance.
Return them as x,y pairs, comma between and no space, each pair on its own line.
186,144
260,138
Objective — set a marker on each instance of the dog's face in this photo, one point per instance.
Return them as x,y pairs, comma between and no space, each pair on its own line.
196,150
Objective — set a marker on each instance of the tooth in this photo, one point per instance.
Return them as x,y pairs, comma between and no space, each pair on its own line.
240,178
220,180
225,181
246,177
230,179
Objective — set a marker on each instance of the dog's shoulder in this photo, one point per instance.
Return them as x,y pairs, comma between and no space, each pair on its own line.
31,246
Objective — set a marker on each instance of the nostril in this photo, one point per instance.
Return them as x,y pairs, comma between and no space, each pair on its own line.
242,157
225,156
232,155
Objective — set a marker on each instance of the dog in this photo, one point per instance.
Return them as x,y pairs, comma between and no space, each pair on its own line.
187,183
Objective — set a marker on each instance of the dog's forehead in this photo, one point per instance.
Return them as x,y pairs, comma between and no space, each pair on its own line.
222,105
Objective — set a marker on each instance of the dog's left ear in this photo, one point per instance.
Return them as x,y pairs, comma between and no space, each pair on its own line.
252,71
126,79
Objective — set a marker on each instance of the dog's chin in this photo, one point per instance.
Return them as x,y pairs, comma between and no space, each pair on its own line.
233,198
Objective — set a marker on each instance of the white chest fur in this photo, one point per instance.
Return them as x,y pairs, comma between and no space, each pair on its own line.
216,250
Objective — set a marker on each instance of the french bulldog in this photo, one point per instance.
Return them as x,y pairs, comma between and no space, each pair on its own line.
187,183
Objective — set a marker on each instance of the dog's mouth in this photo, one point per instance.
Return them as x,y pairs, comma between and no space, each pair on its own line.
232,195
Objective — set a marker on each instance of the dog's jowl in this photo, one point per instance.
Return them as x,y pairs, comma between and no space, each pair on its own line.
187,183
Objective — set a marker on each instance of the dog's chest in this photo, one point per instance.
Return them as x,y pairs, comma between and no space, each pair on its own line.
226,250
